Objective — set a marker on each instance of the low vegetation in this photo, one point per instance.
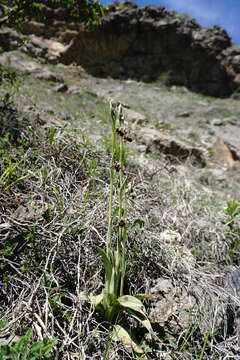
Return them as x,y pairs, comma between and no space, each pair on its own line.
102,256
14,12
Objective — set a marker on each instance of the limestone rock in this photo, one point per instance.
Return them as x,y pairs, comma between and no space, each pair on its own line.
134,118
9,39
45,74
40,47
68,35
171,307
61,88
228,146
223,154
143,43
184,114
13,62
231,61
162,143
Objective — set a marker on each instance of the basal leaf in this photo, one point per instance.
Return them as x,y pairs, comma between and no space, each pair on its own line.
135,308
96,299
121,334
141,318
131,302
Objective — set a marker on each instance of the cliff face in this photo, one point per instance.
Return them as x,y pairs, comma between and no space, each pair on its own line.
148,43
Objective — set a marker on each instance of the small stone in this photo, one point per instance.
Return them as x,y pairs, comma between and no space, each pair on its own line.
184,114
61,88
217,122
134,118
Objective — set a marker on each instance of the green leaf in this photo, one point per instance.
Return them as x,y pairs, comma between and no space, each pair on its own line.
96,299
117,260
22,344
141,318
131,302
3,324
123,185
107,264
233,208
136,309
121,334
42,348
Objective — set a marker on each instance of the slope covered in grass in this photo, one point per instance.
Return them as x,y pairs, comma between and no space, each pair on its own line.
54,179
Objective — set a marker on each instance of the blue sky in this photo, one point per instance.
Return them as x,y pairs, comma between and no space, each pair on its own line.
225,13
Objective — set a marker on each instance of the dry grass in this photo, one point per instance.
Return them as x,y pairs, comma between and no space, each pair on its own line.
53,219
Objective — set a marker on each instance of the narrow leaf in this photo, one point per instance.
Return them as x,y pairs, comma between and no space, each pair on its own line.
107,264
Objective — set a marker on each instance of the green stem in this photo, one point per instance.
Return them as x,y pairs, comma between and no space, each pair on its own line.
206,340
111,187
123,258
122,229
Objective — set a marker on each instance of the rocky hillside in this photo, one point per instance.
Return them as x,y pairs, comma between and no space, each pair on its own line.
183,164
145,44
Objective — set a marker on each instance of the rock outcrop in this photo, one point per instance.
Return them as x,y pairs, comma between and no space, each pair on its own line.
150,42
231,62
144,44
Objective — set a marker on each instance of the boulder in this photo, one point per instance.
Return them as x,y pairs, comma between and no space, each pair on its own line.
39,47
171,308
222,153
176,151
9,39
133,117
174,307
61,88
